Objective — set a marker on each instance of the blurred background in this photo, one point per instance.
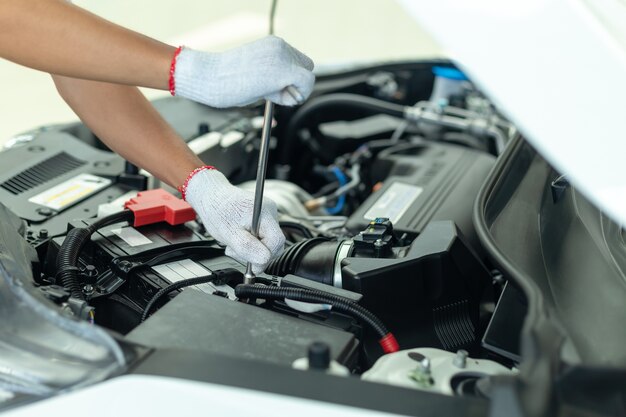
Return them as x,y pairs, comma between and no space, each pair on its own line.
331,32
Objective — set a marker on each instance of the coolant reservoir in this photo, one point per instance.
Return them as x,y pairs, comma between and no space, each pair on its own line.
448,82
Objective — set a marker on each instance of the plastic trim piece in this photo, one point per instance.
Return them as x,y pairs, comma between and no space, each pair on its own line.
541,339
157,206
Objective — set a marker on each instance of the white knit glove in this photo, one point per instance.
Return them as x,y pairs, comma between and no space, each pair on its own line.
226,212
240,76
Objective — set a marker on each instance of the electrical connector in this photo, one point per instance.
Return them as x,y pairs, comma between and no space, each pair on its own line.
158,205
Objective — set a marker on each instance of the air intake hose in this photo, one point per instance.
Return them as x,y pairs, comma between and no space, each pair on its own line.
312,258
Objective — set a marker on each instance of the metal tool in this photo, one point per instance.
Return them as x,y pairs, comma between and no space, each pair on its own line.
261,171
260,180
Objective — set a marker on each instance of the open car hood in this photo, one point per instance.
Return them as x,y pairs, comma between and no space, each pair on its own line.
556,69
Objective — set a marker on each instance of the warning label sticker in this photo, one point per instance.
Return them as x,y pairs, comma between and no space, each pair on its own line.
131,236
186,269
394,202
71,191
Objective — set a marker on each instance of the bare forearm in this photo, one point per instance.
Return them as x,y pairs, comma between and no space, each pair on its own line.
57,37
122,117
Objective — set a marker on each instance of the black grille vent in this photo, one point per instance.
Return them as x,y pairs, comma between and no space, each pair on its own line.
454,326
41,173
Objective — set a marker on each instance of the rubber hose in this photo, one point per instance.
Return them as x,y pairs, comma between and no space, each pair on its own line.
331,100
341,304
288,262
67,259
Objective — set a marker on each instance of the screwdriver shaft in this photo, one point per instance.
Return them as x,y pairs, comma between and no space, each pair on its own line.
260,180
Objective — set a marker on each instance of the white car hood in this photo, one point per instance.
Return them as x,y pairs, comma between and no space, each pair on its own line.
557,69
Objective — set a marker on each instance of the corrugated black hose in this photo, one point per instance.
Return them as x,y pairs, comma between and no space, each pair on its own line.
67,259
288,261
341,304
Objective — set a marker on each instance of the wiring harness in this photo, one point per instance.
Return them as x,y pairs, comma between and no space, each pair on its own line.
67,259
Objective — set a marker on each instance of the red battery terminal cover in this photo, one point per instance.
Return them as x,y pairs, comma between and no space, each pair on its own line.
154,206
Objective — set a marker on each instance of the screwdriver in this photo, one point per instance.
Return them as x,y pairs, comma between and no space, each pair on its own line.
262,169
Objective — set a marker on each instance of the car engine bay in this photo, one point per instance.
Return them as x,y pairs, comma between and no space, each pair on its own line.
375,178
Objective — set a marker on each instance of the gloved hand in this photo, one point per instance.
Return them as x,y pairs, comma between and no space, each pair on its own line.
240,76
226,212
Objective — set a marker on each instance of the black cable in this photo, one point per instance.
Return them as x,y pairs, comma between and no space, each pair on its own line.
341,304
67,259
121,216
272,15
306,232
173,287
333,100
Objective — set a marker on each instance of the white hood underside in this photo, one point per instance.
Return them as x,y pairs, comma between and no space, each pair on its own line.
557,69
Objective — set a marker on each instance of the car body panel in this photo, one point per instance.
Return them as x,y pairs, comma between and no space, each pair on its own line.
163,396
556,69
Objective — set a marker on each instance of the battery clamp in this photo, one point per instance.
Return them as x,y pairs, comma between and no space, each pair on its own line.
158,205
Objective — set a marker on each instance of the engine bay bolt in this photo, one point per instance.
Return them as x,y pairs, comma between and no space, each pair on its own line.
460,361
46,212
379,248
90,277
43,233
88,290
422,375
319,356
91,273
125,265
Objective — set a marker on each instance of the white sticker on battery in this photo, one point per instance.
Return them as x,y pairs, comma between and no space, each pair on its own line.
185,269
70,191
394,202
131,236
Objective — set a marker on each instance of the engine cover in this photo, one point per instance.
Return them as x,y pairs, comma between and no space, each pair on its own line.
57,177
422,183
216,324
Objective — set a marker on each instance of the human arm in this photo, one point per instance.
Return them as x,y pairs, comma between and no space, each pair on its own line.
60,38
57,37
126,121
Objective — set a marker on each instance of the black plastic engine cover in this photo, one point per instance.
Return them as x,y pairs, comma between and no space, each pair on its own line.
431,296
422,183
211,323
28,175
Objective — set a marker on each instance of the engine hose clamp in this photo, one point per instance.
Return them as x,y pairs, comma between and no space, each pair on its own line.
67,269
342,253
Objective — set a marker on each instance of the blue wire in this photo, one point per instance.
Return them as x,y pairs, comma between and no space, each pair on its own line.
341,201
